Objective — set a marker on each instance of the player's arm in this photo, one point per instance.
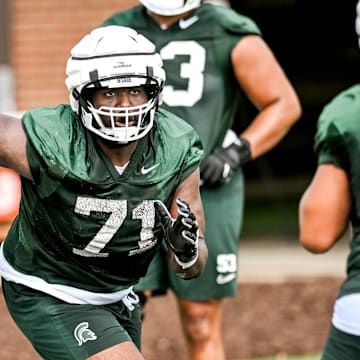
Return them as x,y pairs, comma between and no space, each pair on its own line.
266,85
13,145
184,233
324,209
268,88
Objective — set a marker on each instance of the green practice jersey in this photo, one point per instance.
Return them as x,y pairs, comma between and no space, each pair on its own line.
81,223
200,84
337,142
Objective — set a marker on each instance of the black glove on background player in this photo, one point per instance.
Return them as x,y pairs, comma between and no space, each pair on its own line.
181,234
218,167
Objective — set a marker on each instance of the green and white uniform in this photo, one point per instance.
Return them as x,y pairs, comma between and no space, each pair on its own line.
201,88
337,142
85,234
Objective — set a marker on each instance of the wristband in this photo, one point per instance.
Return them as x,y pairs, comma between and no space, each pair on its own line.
243,149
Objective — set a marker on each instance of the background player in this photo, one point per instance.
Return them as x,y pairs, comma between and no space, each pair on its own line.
211,55
330,203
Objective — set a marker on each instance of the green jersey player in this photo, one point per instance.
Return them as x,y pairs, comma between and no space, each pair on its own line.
327,206
97,178
330,204
211,55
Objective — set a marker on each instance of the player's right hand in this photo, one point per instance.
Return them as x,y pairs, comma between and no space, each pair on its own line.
218,167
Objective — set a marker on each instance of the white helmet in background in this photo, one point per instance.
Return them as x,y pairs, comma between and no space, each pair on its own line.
357,21
170,7
114,57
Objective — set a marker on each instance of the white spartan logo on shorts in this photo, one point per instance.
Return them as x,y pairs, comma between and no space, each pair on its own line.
82,333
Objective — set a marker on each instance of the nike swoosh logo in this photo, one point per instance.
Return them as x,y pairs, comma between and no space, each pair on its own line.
186,23
145,170
223,279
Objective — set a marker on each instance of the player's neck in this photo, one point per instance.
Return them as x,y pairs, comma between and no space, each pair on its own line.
118,154
166,21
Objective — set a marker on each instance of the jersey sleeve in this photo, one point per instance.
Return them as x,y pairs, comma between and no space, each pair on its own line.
53,142
180,144
235,23
228,28
193,155
337,140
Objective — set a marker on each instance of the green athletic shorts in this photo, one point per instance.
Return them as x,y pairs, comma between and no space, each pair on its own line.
223,209
341,346
61,331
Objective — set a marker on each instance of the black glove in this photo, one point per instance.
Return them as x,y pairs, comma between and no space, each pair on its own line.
219,166
181,234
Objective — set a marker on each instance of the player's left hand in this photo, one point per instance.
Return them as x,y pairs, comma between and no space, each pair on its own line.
181,234
219,166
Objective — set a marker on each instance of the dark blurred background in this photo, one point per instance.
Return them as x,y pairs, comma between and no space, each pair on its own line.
316,44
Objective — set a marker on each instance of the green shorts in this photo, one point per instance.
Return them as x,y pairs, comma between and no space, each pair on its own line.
223,209
61,331
341,346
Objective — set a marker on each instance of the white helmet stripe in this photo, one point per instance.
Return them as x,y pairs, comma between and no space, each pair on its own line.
114,57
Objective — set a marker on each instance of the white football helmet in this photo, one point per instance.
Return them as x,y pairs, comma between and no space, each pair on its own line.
170,7
113,57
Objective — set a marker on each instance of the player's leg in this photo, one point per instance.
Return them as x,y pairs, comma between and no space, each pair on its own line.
61,331
201,323
200,299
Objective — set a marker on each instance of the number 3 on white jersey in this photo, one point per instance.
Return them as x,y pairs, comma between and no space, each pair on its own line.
193,71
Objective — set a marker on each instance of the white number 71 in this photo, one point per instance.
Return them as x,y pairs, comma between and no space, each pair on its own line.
118,210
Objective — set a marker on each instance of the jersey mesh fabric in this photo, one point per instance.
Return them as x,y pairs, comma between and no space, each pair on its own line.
78,196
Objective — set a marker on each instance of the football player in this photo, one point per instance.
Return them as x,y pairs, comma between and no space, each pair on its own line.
97,178
211,55
330,204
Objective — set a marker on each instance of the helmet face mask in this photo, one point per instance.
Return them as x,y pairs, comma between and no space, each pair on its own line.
120,124
115,57
170,7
